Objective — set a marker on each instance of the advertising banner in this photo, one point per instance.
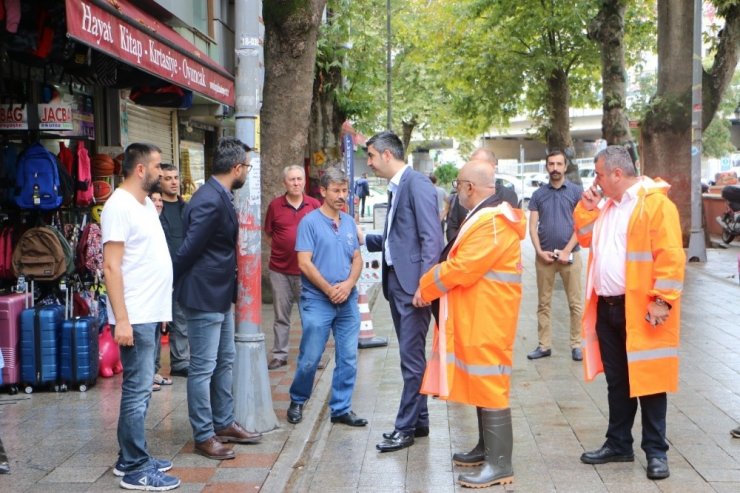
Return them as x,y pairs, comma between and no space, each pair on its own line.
138,39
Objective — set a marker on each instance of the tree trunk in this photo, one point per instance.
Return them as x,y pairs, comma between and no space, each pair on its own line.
558,129
291,31
715,82
608,29
326,117
666,128
406,131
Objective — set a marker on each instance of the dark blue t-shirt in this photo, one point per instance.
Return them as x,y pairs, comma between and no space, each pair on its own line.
332,248
555,208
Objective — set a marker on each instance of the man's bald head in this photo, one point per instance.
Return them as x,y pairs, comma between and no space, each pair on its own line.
476,182
483,154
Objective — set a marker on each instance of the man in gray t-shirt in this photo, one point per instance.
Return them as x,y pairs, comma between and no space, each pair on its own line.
554,239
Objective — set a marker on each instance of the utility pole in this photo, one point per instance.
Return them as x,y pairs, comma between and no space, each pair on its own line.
388,64
252,394
697,244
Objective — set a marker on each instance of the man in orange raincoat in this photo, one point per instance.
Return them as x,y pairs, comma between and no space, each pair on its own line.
632,318
479,287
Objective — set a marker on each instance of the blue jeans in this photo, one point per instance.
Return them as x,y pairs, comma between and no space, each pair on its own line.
319,317
212,352
136,390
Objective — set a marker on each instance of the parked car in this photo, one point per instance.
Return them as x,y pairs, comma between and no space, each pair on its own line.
515,183
587,174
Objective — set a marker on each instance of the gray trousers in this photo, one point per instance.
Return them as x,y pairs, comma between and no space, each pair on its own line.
286,290
179,345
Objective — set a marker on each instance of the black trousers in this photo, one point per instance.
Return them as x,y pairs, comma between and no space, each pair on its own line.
362,206
412,325
612,333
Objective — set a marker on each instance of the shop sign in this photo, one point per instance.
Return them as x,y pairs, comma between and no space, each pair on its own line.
134,44
13,117
55,116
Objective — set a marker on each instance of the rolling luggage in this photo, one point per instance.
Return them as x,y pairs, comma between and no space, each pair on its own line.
40,330
78,358
11,306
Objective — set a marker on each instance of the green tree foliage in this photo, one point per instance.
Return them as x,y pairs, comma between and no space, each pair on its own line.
716,140
446,173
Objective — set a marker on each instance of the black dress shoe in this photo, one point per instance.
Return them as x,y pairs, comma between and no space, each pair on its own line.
295,412
349,419
179,373
397,441
419,432
657,468
604,455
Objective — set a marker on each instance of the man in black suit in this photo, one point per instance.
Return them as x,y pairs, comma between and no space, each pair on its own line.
457,213
205,286
410,244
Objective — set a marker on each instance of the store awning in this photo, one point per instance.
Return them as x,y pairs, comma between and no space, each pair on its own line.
132,36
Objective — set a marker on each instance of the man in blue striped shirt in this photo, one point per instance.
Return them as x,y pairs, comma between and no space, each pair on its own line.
554,239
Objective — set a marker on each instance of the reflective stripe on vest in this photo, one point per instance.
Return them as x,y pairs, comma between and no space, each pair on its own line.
495,275
639,256
652,354
437,280
479,370
669,284
587,228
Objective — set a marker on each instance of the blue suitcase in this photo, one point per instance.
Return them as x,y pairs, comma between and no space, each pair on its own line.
40,330
78,358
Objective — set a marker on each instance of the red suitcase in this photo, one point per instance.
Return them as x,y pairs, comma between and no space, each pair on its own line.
11,306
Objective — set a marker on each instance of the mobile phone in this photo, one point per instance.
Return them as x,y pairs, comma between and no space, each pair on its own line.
556,254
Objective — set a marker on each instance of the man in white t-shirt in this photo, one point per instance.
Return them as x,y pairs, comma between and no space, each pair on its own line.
138,279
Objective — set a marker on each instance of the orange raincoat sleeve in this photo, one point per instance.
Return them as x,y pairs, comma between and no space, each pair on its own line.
584,221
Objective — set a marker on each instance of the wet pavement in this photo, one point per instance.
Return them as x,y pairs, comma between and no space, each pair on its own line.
67,442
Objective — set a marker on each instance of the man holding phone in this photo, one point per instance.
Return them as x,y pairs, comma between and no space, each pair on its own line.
631,326
551,230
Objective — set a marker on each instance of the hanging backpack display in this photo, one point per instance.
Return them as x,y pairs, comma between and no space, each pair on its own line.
89,255
39,255
69,254
7,173
84,196
65,157
37,179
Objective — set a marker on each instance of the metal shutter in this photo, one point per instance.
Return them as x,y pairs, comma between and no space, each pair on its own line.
153,126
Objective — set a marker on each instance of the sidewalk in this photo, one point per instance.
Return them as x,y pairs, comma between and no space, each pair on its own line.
556,414
67,442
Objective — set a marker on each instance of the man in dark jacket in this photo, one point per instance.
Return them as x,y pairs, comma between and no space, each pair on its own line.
171,219
205,286
457,212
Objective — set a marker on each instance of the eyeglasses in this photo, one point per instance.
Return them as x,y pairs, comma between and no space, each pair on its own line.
246,165
456,183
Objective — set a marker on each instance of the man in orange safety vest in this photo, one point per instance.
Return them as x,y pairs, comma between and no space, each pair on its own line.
631,321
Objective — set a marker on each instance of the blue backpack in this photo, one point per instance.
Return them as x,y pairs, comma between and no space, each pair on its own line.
37,180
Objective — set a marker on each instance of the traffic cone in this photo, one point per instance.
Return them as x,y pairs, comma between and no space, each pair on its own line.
368,338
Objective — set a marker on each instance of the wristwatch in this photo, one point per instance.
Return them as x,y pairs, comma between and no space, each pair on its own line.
662,302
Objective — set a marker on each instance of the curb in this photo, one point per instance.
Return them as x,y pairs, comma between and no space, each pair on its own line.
309,433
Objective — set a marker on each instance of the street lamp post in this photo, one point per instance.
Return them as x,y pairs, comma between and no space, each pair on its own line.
697,245
252,393
388,64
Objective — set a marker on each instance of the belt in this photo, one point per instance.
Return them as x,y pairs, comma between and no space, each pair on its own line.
613,300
